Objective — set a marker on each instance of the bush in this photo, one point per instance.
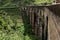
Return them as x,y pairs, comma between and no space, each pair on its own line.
10,29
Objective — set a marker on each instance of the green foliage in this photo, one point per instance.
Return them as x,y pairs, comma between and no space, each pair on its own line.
20,3
42,2
31,37
10,29
11,26
15,3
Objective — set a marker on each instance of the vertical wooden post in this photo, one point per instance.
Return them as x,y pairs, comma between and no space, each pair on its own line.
30,14
32,18
40,23
45,23
36,24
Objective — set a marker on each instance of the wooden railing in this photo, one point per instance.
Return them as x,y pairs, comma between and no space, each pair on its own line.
39,20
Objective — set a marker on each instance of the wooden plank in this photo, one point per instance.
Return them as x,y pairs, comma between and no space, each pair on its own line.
53,31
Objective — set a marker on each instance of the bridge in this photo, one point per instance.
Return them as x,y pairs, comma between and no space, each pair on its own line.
45,20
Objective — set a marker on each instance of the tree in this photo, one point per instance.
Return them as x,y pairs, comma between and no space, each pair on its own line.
41,2
17,3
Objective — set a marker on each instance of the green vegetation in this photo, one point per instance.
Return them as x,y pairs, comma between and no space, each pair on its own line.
42,2
19,3
10,28
13,25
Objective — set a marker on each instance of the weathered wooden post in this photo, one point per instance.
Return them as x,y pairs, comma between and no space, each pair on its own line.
45,23
30,12
40,23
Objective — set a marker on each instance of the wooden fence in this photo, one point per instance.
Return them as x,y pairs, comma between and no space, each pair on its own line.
44,20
